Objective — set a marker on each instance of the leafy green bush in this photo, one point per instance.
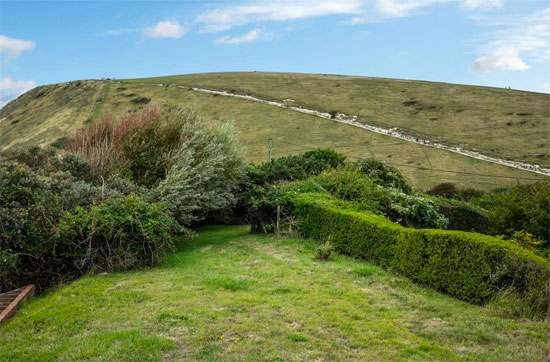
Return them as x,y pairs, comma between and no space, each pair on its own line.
32,203
203,173
522,208
297,167
407,209
118,234
462,215
384,175
469,266
28,214
450,191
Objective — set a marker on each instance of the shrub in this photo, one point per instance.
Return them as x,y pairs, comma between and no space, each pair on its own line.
444,189
263,201
407,209
450,191
141,100
191,163
384,175
324,251
469,266
28,214
31,205
118,234
521,208
462,215
203,172
298,167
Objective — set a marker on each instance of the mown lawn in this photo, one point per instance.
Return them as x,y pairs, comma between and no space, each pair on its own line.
230,295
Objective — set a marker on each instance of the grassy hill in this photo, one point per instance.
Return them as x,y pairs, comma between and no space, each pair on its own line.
498,122
230,295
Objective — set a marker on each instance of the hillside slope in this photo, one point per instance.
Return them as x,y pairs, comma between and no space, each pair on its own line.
231,296
499,122
50,113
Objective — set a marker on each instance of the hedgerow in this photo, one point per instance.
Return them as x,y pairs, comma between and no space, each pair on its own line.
470,266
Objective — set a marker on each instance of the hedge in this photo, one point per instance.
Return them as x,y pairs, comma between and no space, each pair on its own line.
469,266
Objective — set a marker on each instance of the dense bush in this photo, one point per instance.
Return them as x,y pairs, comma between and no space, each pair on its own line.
462,215
469,266
450,191
185,160
408,209
28,214
118,234
32,202
522,208
384,175
297,167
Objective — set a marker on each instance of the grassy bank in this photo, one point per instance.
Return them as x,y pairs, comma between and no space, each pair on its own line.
229,295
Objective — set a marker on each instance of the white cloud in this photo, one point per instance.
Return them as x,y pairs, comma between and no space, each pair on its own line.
356,21
525,40
501,59
13,48
484,4
10,89
116,32
165,29
245,38
402,8
225,18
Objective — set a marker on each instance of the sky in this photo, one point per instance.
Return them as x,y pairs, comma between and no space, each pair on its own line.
500,43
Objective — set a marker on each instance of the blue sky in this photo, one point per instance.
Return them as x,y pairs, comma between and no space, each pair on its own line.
485,42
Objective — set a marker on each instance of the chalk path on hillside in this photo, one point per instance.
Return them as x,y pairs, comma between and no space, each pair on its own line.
352,121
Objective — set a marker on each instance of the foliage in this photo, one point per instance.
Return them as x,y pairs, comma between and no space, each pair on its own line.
118,234
469,266
324,251
444,189
521,208
28,214
32,203
525,240
407,209
204,171
179,166
384,175
450,191
192,164
462,215
296,167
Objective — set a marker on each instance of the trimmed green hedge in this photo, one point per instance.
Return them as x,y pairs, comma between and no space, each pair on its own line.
469,266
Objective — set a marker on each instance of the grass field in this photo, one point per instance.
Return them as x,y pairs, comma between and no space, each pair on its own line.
230,295
42,120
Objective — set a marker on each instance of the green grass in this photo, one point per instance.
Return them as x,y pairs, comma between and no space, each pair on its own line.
293,132
230,295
